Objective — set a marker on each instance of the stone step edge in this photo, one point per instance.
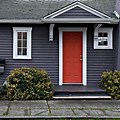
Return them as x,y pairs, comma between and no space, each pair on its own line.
81,97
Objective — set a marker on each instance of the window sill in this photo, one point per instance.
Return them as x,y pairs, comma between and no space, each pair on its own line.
24,58
103,47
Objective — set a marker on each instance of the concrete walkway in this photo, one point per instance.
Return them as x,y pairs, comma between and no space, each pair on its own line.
60,109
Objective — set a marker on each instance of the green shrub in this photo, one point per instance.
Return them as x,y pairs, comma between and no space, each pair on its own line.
111,83
28,83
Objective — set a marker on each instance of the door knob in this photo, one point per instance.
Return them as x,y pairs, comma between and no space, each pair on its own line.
80,57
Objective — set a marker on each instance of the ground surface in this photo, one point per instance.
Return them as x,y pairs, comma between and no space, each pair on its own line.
60,109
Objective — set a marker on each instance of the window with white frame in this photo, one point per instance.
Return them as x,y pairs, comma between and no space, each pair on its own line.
22,42
104,39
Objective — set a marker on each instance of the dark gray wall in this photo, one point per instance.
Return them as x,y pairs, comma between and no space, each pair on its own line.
118,37
97,60
45,53
118,6
77,13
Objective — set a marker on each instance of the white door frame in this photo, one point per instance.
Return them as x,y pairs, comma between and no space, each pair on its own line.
84,63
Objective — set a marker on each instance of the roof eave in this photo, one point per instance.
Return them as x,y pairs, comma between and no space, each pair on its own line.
62,20
21,21
81,20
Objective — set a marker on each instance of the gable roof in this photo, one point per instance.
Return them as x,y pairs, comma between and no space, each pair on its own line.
79,5
38,9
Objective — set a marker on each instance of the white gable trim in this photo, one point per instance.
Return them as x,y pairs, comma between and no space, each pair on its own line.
77,4
81,20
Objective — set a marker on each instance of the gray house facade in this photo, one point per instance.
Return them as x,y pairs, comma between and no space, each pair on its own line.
75,41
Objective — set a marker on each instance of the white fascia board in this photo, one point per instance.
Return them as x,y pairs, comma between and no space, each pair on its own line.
77,4
63,20
27,21
80,20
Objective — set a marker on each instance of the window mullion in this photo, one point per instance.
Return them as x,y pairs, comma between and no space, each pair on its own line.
22,44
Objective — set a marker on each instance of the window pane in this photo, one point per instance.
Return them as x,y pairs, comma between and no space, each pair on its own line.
102,39
102,42
101,34
19,52
19,43
24,51
24,43
19,35
24,35
105,34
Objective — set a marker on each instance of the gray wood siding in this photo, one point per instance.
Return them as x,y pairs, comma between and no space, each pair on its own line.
117,48
97,60
44,52
117,6
77,13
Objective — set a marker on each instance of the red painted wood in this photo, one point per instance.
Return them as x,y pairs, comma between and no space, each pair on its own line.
72,49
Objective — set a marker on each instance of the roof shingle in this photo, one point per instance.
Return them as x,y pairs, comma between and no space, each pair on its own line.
37,9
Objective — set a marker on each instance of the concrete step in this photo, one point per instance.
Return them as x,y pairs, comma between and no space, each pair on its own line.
82,97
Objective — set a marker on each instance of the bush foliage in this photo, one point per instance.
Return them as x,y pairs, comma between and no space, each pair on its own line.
111,82
28,83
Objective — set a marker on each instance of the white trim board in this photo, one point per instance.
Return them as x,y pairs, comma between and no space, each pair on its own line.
84,64
15,42
109,31
77,4
81,20
81,97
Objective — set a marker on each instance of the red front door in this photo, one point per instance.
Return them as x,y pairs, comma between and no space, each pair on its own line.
72,57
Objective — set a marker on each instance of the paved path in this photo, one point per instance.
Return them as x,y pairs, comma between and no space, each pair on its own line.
60,109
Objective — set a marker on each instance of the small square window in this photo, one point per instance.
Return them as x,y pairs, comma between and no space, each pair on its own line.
104,39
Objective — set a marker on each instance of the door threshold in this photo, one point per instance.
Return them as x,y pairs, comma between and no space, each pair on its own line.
72,84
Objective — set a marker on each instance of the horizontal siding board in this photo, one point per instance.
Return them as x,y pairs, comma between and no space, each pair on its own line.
44,52
97,60
77,13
